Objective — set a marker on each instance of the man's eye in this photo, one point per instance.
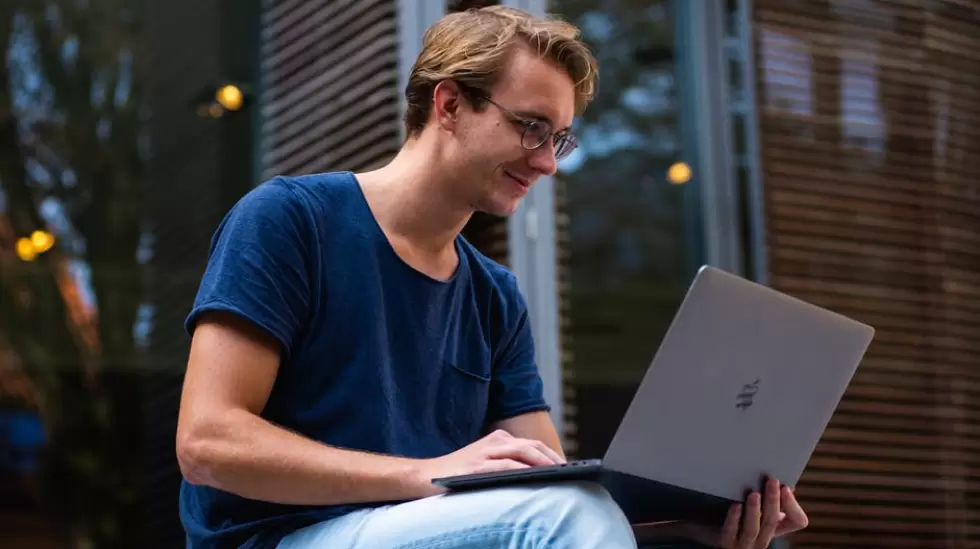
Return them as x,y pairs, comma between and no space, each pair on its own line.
536,127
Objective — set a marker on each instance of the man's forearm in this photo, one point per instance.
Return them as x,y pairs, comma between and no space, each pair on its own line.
248,456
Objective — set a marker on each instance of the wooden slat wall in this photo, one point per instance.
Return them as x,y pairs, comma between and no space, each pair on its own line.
871,163
329,97
562,246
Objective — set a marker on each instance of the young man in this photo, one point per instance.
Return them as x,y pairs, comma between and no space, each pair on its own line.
349,346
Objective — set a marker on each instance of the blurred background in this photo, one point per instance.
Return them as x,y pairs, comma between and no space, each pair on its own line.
829,148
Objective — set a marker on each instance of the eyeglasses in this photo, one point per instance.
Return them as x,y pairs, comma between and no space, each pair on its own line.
537,133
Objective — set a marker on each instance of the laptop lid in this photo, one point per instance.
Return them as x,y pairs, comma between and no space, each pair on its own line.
742,387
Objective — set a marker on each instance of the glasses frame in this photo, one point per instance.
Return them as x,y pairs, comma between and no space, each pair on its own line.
564,141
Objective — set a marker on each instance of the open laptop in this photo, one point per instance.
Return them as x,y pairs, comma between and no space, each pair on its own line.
741,389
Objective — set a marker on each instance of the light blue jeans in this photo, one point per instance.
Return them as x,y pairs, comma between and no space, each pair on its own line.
561,516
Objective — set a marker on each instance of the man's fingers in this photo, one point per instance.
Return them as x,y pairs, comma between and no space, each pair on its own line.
502,440
751,521
495,465
729,531
522,450
795,519
532,455
770,513
546,450
499,434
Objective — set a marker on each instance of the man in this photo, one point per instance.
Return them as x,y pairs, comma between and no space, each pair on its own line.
349,346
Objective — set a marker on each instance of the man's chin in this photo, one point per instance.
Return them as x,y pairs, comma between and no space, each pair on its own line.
500,208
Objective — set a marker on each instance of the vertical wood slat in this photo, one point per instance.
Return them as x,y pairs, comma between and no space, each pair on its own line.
329,98
869,141
564,276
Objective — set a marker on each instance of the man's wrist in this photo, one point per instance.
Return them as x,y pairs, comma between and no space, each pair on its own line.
418,478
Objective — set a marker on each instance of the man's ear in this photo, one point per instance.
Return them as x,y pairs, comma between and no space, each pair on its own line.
447,100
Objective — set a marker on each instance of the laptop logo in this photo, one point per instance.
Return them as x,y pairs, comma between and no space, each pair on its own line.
746,395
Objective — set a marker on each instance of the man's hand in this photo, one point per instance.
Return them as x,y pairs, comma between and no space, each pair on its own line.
775,513
498,451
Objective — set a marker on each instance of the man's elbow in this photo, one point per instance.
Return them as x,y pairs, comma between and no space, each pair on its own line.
197,455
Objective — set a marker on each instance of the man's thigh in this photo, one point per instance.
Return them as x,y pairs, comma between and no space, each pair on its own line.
567,515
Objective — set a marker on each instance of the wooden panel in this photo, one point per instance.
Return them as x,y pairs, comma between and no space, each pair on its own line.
870,134
330,97
562,245
331,100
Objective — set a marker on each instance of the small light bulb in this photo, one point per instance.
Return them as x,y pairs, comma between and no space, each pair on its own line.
42,241
25,249
679,173
230,97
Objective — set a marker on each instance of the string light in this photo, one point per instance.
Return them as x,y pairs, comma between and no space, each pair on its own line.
230,97
679,173
28,248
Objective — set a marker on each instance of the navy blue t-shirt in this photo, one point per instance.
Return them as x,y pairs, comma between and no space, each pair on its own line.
375,355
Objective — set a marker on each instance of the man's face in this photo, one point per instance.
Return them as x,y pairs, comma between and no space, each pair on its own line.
496,169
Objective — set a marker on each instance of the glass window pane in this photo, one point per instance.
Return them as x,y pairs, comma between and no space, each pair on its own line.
625,250
126,134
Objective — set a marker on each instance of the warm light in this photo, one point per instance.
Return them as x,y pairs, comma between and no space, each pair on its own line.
25,249
230,97
42,241
679,173
215,110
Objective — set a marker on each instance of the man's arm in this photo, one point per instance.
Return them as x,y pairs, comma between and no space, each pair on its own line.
534,426
222,441
254,299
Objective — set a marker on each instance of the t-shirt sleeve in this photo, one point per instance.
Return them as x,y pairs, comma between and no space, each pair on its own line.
259,264
516,387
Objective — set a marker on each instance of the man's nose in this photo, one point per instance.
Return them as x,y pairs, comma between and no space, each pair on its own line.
543,159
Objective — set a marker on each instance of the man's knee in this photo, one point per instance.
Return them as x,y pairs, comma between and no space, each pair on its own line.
577,497
579,511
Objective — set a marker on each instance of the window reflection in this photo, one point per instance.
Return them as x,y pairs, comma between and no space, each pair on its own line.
71,178
81,276
624,249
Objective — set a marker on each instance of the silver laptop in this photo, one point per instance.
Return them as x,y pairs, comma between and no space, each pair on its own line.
741,389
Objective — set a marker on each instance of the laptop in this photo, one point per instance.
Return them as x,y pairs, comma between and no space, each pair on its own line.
741,389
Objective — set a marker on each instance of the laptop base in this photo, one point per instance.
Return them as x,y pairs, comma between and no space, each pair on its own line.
642,500
585,470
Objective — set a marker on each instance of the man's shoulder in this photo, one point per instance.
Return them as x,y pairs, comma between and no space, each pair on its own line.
499,280
306,187
298,200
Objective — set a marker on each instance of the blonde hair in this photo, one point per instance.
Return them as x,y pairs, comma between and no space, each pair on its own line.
472,48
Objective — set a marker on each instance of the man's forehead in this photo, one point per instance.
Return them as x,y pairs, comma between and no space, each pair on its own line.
539,88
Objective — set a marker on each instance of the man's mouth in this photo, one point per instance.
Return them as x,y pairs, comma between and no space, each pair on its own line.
520,181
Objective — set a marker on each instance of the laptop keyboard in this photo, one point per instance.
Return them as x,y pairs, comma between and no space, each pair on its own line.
582,462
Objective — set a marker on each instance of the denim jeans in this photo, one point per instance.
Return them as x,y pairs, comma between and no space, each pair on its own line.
562,516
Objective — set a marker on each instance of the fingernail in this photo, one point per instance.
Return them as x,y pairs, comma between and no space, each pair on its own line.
782,515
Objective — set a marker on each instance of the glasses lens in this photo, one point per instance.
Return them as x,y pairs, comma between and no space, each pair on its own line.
535,134
564,145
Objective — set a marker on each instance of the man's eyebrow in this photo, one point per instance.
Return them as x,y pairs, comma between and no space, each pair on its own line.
535,115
